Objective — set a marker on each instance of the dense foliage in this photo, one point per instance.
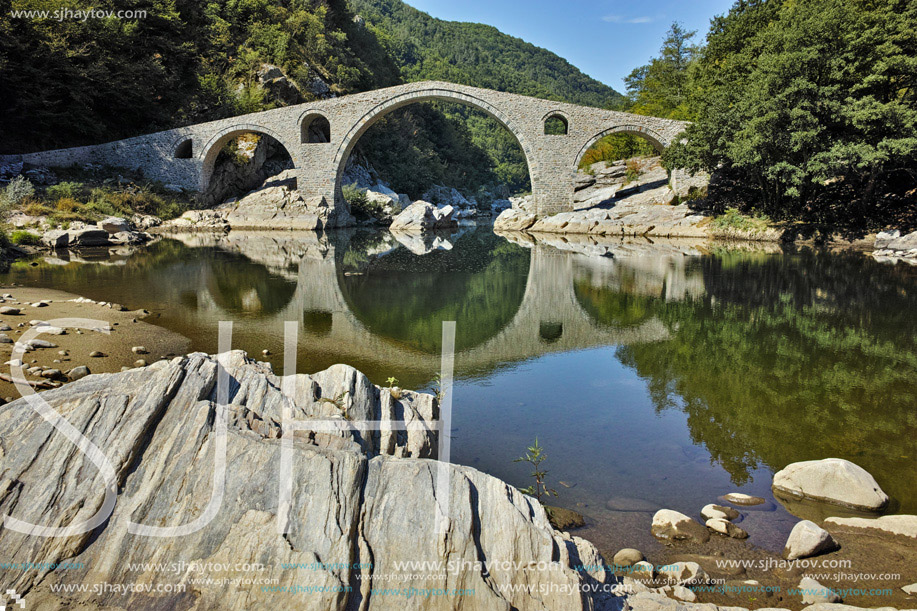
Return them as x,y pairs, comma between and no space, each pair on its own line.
78,81
810,108
660,88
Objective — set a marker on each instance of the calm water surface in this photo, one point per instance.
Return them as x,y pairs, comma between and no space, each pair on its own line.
662,376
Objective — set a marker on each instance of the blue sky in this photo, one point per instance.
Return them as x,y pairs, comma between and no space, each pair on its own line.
606,39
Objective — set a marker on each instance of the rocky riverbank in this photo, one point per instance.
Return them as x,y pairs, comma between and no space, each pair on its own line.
712,560
362,501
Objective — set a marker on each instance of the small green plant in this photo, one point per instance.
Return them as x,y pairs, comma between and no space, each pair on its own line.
66,189
734,220
535,455
340,402
438,386
393,389
24,238
632,173
360,204
18,189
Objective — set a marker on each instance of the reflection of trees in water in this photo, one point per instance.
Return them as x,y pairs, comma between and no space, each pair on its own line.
238,285
479,284
613,306
790,359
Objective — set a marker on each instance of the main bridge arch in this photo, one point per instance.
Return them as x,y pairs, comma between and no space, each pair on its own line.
356,131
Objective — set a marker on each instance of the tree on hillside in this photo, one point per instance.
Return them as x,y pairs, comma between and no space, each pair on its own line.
811,107
660,88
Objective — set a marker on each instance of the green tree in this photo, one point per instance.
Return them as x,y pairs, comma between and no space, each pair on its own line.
660,88
811,106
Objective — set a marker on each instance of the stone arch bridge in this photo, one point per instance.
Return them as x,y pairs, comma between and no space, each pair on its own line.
319,137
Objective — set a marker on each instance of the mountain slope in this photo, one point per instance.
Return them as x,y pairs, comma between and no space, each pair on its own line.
478,55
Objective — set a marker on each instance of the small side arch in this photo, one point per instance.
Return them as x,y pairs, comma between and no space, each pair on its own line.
556,123
211,150
314,128
657,140
183,149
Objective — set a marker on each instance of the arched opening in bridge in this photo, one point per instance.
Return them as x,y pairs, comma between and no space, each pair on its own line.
184,149
241,160
556,124
315,129
615,164
440,146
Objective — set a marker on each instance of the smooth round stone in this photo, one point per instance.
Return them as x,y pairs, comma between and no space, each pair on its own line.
628,557
718,511
738,498
725,527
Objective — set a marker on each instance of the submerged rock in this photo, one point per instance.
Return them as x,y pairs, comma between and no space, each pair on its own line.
564,519
739,498
832,480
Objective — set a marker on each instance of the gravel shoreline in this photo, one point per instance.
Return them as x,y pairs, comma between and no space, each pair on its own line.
130,342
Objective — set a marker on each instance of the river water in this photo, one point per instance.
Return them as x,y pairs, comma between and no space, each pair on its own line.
654,374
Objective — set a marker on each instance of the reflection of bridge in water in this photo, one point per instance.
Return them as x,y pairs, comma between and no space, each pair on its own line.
550,317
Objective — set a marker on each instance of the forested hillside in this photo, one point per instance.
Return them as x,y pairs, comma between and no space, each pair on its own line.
72,81
478,55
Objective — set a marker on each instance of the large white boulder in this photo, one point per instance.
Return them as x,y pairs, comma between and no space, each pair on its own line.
832,480
808,539
423,216
514,220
